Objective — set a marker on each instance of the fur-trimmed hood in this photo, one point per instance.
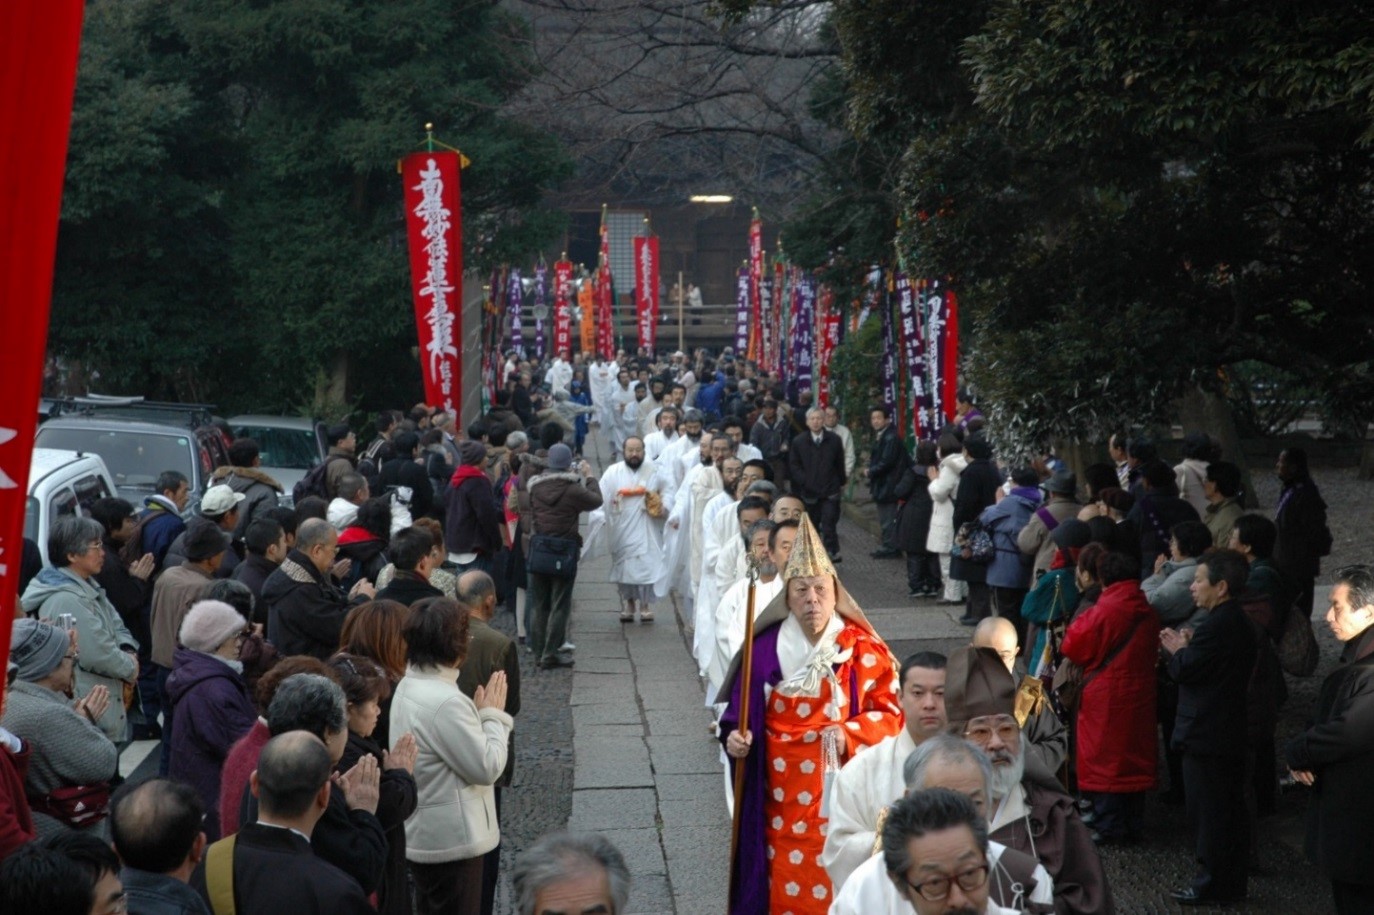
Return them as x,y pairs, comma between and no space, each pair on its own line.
240,479
555,475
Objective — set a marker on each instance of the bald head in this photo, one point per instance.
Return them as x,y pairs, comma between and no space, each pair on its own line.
477,591
292,772
999,634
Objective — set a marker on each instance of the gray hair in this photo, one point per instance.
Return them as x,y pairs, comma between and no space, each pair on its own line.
932,810
946,748
763,525
563,855
1359,581
763,486
72,534
517,440
818,411
308,702
313,532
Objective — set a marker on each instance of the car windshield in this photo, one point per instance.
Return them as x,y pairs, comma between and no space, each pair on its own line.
31,509
293,449
135,459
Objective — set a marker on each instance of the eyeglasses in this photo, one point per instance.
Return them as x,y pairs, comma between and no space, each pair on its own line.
243,636
982,733
937,888
93,547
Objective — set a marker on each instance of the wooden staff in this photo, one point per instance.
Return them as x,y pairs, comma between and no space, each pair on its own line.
746,665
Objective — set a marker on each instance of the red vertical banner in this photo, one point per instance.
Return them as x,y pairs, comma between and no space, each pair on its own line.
605,295
829,339
781,298
39,43
586,304
755,288
434,229
646,289
562,307
950,379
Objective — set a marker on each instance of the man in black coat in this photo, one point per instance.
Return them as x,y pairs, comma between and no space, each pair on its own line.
1336,754
815,464
305,610
265,543
411,553
1303,537
886,461
1212,669
978,486
1156,511
403,470
270,864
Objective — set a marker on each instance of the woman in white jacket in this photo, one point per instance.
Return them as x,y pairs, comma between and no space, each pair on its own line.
944,482
461,746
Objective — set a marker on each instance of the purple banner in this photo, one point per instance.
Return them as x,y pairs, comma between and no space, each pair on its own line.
938,316
541,308
889,368
914,345
742,313
515,290
803,334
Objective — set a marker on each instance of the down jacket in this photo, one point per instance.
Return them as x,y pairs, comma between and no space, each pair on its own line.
557,501
260,493
211,710
1010,568
941,538
1117,747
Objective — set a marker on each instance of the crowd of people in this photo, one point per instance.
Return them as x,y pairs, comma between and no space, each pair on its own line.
336,711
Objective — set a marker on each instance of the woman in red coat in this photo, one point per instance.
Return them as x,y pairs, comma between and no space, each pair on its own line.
1116,642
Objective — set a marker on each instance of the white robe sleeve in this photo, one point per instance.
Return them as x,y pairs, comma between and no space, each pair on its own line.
849,841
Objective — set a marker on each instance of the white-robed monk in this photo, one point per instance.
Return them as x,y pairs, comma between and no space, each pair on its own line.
682,536
628,489
732,609
746,512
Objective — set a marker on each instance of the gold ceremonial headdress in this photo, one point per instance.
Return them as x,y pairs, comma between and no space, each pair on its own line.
809,557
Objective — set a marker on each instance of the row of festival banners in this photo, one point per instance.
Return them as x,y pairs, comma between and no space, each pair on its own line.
787,321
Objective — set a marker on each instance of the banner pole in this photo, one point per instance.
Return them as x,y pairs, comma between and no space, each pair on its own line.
680,331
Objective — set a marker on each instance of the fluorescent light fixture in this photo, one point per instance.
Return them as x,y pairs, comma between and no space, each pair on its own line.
711,198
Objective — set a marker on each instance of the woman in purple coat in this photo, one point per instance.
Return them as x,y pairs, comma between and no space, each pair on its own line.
211,708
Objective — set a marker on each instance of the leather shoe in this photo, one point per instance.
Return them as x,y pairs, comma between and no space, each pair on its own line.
884,554
968,621
1192,896
550,663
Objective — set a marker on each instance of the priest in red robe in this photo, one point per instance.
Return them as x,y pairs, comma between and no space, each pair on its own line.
823,687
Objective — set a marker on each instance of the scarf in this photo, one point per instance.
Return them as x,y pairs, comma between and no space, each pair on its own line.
466,472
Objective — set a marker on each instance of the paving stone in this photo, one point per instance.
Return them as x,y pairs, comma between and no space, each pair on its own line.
601,809
611,763
684,755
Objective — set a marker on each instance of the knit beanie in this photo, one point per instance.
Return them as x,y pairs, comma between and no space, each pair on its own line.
37,648
209,624
560,457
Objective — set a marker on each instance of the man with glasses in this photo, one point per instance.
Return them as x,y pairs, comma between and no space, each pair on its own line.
935,847
1027,811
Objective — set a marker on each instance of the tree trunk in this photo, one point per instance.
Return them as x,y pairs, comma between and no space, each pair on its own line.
1367,461
331,389
1208,411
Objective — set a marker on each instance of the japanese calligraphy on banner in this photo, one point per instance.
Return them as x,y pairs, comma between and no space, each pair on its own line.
767,331
434,231
541,308
742,312
914,348
889,365
562,307
515,291
829,340
605,295
586,304
646,290
755,288
942,355
803,344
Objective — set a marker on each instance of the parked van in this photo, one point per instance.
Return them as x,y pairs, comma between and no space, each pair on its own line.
62,483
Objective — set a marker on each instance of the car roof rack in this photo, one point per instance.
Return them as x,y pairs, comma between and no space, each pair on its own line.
191,415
